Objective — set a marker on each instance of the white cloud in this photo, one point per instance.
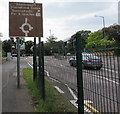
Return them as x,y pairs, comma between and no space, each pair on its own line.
62,31
57,27
51,1
65,24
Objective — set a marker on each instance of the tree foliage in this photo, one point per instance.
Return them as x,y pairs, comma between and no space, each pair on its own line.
52,46
7,46
96,40
113,32
84,36
28,45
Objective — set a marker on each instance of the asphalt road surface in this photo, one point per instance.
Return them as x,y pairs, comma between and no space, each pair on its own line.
101,87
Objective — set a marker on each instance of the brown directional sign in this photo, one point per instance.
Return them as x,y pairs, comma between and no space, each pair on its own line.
25,19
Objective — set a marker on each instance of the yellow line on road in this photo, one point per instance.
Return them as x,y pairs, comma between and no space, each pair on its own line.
91,108
86,109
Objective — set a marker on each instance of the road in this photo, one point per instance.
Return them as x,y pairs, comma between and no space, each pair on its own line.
101,87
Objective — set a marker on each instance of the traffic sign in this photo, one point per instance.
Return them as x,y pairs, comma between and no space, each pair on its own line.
25,19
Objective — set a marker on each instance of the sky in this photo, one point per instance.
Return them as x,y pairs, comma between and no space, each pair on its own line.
63,18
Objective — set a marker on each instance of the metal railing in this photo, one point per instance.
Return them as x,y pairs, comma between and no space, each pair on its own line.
101,87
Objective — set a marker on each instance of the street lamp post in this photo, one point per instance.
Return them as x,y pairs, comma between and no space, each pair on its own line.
103,24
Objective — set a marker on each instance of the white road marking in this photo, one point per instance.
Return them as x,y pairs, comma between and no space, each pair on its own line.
61,65
51,77
74,96
111,70
47,73
30,62
75,99
74,103
88,101
72,93
30,65
54,79
59,90
105,79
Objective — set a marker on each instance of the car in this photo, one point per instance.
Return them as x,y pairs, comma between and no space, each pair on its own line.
14,55
88,61
68,54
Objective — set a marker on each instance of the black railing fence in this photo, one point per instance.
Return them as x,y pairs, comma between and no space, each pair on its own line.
101,83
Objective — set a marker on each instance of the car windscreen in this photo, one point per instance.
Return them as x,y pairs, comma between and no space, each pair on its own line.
89,56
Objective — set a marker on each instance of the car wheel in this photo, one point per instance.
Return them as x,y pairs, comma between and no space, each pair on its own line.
71,64
83,66
98,68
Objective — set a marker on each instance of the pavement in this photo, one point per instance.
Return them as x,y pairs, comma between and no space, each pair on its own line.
14,99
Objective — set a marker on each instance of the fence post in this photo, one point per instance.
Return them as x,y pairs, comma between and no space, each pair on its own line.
119,79
42,72
79,74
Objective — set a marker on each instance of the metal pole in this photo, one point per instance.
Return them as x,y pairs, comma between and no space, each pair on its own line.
11,45
65,46
34,57
18,62
79,74
118,59
34,1
42,70
103,26
39,77
34,60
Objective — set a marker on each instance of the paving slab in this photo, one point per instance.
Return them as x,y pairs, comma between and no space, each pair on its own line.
14,99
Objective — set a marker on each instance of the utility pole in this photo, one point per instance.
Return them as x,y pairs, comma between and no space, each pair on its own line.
50,32
103,24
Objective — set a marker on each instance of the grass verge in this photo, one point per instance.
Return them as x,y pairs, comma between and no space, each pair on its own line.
54,102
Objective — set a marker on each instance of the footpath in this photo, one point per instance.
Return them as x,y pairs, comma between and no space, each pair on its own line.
14,99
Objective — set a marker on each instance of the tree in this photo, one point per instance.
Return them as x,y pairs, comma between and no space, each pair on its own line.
28,45
49,46
113,33
51,39
84,36
52,46
7,46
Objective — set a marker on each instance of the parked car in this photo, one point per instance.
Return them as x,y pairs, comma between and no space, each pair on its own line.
88,61
14,55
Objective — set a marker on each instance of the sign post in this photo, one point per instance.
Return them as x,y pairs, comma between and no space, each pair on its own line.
26,20
42,71
34,60
18,62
